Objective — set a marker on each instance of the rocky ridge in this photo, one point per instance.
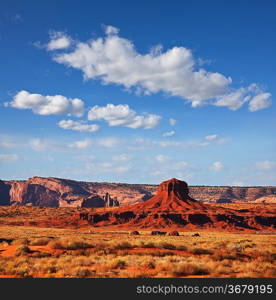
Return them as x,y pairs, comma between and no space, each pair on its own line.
172,207
57,192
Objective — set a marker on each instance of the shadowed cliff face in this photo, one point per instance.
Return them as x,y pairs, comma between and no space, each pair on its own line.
24,193
172,207
52,192
4,193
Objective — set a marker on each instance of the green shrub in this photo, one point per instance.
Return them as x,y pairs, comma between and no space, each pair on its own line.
199,251
22,250
123,245
167,246
41,254
147,245
182,248
186,269
40,242
82,273
77,245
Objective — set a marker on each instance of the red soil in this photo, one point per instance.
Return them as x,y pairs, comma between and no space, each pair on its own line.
9,251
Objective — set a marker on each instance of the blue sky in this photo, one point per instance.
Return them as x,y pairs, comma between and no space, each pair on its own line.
138,92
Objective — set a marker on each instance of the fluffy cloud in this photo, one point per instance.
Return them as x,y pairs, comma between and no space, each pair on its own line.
8,157
114,59
260,101
216,166
58,40
110,30
122,115
169,133
74,125
48,105
265,165
252,94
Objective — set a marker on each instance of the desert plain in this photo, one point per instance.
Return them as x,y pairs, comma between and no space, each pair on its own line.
168,235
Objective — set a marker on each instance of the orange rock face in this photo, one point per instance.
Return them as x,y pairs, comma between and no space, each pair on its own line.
172,195
172,207
69,193
39,191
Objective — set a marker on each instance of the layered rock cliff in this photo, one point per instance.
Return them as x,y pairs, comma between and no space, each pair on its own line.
172,207
56,192
224,194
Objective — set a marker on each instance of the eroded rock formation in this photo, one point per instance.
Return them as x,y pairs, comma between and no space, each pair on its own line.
172,207
53,192
69,193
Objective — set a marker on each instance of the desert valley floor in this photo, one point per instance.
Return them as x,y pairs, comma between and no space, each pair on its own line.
55,252
169,235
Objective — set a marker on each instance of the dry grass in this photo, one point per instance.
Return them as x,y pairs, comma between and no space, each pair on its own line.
186,269
53,252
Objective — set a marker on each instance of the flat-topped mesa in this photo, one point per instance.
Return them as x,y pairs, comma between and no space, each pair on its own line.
174,187
172,194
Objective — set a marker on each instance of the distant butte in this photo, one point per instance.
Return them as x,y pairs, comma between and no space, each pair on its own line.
172,195
172,207
58,192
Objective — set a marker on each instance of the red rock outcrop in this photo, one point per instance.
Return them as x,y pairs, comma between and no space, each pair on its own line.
54,192
23,193
172,207
70,193
173,195
227,194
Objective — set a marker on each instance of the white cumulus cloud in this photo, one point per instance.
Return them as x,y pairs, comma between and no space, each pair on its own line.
47,105
260,101
123,115
253,95
109,30
175,72
78,126
114,59
58,40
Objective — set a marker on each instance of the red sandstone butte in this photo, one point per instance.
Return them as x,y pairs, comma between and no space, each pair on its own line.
58,192
172,207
